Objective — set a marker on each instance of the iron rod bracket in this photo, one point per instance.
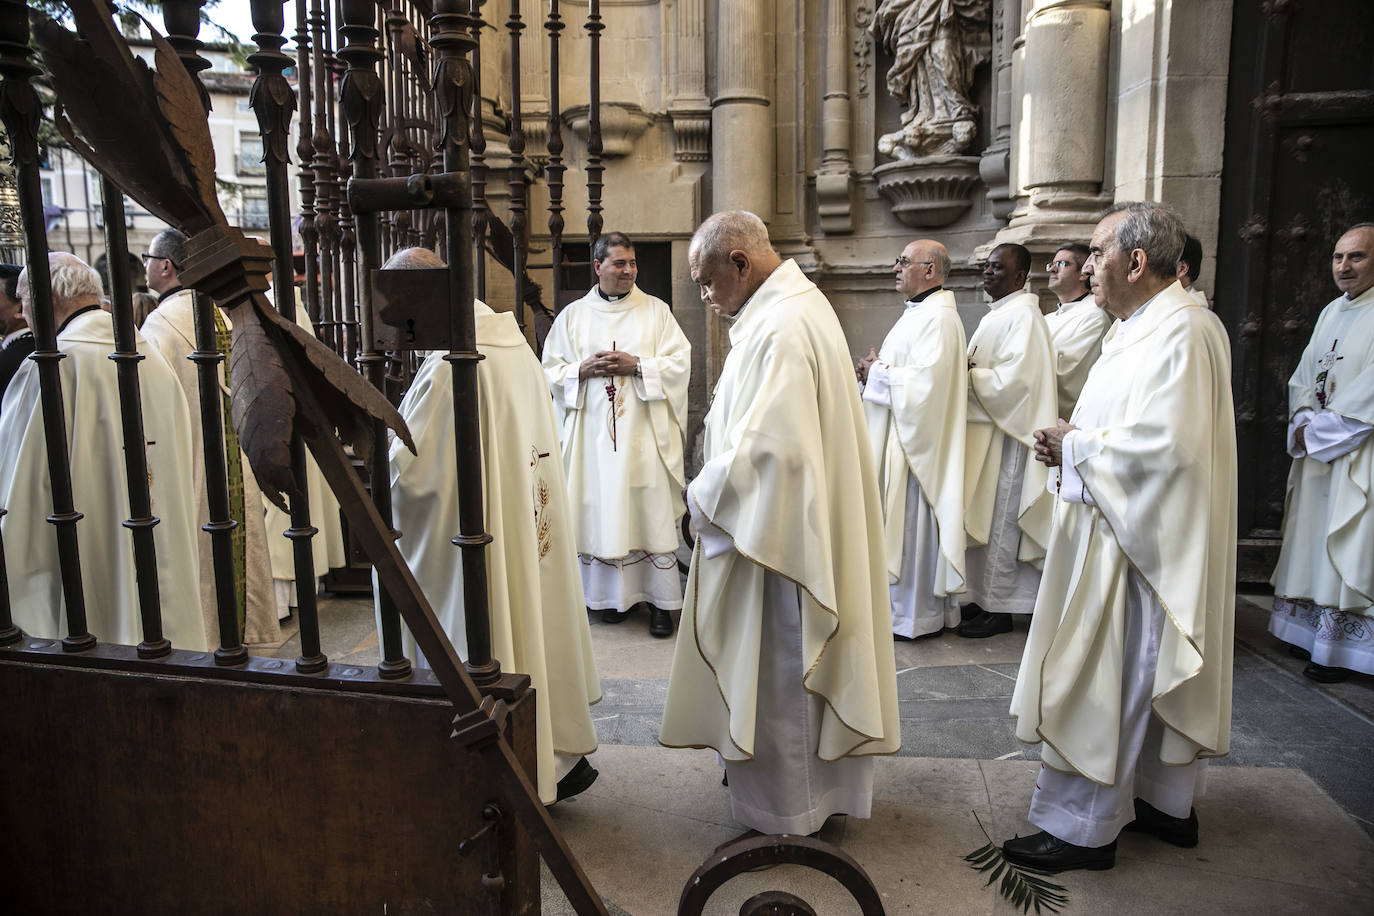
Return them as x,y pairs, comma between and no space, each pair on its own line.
412,192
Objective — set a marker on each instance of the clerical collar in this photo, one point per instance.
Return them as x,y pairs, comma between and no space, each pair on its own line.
72,317
921,297
171,292
607,296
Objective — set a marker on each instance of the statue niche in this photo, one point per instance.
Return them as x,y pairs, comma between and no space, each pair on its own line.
936,47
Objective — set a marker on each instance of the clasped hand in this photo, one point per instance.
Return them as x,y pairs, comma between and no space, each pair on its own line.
608,363
1049,443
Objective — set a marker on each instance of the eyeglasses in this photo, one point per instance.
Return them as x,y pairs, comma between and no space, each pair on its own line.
1053,264
160,257
904,262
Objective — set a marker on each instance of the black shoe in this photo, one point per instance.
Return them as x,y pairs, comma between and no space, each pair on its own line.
985,625
1049,853
578,780
1178,831
1325,674
900,638
1300,653
611,615
969,611
660,623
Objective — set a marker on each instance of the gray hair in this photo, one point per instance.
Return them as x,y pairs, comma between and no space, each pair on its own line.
606,241
71,278
170,244
731,230
1155,229
413,259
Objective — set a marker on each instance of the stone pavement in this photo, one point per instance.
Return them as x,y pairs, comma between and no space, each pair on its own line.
1287,821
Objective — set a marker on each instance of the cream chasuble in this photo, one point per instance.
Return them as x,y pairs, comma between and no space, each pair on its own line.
327,546
1076,331
789,478
538,623
1156,451
623,457
95,443
1328,528
921,434
171,330
1011,394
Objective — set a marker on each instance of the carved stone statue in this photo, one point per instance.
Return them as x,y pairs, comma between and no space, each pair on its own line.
936,45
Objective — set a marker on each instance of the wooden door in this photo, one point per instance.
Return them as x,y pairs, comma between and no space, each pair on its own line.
1296,174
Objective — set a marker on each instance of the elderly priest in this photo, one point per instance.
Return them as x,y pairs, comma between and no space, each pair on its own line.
538,625
784,665
1324,582
1126,676
95,444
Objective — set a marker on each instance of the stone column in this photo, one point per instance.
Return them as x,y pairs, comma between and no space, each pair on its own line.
1062,159
743,139
742,134
688,106
995,166
833,177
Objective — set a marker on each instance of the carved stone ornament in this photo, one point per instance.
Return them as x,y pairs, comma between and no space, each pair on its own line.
621,125
931,191
936,45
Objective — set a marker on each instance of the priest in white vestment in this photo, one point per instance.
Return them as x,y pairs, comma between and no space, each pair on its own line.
914,403
537,618
784,666
1324,581
95,446
1126,675
618,366
171,330
327,544
1012,393
1077,326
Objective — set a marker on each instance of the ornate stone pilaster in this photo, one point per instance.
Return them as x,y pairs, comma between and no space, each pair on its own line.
995,166
688,105
1061,160
834,177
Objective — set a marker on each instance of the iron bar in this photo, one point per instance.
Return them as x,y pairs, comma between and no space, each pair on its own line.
9,633
304,146
555,169
451,39
141,521
182,21
594,166
515,174
20,109
477,144
322,162
360,96
348,242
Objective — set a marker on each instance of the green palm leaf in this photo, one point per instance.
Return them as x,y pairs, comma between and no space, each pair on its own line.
1022,887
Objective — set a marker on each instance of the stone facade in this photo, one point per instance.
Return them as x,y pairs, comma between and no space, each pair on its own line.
779,107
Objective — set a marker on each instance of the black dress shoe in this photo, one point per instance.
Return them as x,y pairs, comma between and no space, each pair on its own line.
1325,674
985,625
660,623
969,611
1049,853
578,780
1179,831
611,615
1300,653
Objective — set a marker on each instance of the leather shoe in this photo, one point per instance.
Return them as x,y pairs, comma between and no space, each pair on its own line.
660,623
578,780
1049,853
985,625
612,615
1178,831
1325,674
969,611
1300,653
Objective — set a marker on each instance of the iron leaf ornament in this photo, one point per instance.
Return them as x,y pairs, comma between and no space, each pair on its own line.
145,130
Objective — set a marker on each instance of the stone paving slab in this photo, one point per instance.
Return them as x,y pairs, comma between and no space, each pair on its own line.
1272,842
